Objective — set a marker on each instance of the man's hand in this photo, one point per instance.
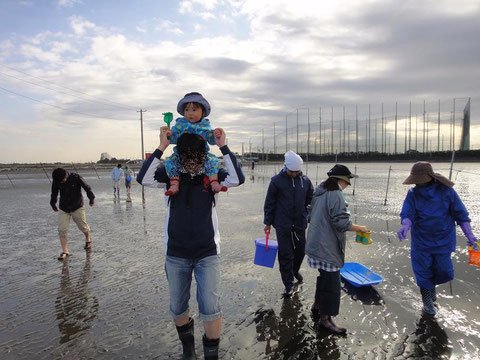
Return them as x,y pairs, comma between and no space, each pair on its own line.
165,132
220,137
267,228
54,208
92,202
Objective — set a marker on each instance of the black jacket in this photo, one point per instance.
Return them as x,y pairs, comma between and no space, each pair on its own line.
191,224
71,198
287,200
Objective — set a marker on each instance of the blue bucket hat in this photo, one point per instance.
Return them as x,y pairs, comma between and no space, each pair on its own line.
193,97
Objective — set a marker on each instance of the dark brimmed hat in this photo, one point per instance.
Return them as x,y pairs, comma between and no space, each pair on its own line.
341,172
196,98
422,172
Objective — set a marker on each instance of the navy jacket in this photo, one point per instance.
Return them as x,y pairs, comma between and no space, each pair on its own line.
191,224
287,200
71,198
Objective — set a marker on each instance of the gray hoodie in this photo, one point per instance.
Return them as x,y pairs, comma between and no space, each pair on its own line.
329,220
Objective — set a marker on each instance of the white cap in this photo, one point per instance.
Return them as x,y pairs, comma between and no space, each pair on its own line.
293,162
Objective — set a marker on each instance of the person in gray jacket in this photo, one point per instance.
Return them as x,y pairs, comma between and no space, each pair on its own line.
288,196
325,245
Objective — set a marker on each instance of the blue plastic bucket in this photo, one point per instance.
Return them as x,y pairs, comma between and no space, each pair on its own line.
265,254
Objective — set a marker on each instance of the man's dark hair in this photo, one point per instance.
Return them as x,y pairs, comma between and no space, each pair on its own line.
190,142
119,166
58,174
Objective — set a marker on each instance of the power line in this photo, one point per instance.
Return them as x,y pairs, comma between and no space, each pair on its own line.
62,108
62,92
100,100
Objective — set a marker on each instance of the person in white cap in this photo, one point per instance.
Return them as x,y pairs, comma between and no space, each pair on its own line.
289,194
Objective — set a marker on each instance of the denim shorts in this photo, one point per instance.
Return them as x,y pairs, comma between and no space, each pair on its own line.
207,274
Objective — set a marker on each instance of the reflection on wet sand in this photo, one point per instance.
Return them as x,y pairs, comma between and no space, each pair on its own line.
428,341
367,295
290,336
75,307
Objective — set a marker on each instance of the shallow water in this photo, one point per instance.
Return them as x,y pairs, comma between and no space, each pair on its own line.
112,303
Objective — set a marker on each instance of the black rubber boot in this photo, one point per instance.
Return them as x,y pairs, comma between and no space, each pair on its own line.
185,333
210,348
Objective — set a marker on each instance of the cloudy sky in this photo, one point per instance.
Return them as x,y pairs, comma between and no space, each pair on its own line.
74,73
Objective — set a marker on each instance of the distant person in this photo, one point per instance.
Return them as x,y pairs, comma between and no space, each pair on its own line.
71,206
430,210
128,181
117,174
253,165
288,196
326,239
194,108
191,235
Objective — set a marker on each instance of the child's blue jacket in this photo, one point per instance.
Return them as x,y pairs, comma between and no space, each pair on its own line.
433,210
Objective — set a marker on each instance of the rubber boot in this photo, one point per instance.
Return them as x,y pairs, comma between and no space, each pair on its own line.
185,333
210,348
427,298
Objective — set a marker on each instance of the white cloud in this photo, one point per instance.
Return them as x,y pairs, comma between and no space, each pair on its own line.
188,6
31,51
68,3
169,27
80,26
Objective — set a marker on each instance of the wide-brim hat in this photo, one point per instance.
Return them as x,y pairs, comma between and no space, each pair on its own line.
196,98
422,172
341,172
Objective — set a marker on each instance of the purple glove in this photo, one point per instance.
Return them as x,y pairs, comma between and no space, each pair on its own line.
406,225
471,239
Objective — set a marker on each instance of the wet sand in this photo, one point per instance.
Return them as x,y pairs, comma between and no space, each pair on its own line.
112,303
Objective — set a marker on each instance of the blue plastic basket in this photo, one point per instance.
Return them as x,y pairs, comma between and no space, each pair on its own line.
359,275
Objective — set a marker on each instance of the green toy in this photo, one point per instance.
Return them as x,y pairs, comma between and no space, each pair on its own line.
167,117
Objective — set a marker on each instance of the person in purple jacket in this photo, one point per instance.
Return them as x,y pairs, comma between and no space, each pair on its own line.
431,210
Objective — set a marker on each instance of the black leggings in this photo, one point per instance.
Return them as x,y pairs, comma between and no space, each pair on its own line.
327,293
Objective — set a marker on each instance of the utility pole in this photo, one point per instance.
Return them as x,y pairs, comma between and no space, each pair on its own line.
356,129
396,114
308,132
141,111
343,130
332,133
274,147
382,130
424,123
410,127
369,128
286,135
263,145
438,130
297,132
320,129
